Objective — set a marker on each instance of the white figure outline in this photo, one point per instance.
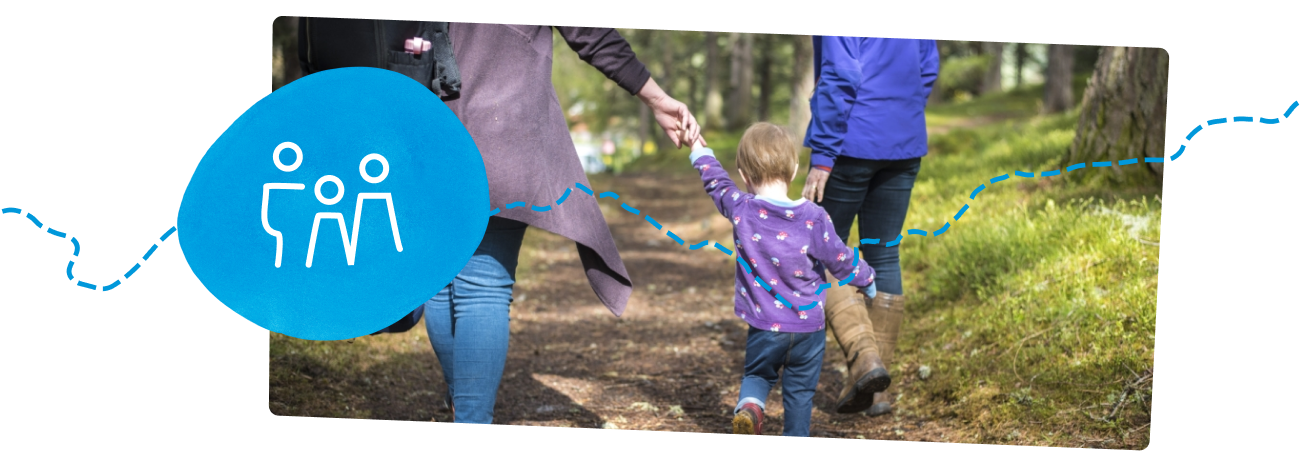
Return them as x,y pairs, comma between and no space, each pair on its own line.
350,245
266,192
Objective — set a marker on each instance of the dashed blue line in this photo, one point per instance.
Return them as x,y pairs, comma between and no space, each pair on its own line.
1075,166
1051,173
1153,159
11,210
1216,122
34,220
808,306
608,194
847,280
917,232
869,241
76,247
630,209
895,241
1180,153
1024,174
1243,119
564,196
721,248
1101,164
1268,121
56,233
977,191
745,265
70,271
111,286
999,178
1128,161
86,285
515,204
1193,133
823,287
1291,109
150,252
167,234
699,245
941,230
959,212
132,271
584,188
675,237
543,208
494,211
762,282
653,222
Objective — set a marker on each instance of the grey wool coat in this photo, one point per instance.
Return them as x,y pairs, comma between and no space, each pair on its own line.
510,108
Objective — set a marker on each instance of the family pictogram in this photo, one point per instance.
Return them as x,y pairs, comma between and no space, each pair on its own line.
349,243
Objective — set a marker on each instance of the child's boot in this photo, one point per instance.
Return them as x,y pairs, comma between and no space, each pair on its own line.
848,319
748,420
886,315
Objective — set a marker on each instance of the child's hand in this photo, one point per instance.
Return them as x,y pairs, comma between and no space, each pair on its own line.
683,136
869,291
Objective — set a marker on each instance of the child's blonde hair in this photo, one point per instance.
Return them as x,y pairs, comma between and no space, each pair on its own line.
767,154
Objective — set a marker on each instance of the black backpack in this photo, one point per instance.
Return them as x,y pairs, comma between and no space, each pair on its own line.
420,50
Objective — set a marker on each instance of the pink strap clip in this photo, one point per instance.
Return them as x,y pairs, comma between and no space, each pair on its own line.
417,45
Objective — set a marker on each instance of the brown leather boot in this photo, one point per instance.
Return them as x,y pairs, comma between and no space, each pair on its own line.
886,314
847,317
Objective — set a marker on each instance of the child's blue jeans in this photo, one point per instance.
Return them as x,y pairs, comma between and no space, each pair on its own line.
800,355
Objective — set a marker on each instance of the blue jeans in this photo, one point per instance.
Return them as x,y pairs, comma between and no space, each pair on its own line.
800,355
469,321
877,192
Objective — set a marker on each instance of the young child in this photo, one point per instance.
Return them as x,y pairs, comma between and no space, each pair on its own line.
783,248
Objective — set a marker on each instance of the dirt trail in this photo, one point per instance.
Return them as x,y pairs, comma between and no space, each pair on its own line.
673,362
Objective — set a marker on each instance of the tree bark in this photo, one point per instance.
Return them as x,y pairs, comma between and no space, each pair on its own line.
801,86
712,90
1122,114
643,111
1058,93
742,80
765,77
936,92
993,77
1022,55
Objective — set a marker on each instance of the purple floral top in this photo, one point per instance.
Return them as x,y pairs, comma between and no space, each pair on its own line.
785,248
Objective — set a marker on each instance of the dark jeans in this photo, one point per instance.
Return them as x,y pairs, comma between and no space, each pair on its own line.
800,355
877,193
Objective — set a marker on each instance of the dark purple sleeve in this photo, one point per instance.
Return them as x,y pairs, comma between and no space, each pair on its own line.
606,50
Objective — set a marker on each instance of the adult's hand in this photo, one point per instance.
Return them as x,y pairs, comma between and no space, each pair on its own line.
672,115
815,185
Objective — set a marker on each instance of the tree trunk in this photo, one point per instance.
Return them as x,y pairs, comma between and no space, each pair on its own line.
993,77
801,86
1122,115
742,80
936,92
1058,93
1022,55
643,112
765,52
293,69
667,58
712,90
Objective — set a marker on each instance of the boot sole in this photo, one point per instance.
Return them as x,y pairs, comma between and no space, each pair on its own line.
860,398
742,424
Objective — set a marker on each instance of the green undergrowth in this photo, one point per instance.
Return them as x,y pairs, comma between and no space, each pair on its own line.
1033,316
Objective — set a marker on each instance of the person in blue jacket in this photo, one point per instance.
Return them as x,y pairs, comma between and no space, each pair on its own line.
867,137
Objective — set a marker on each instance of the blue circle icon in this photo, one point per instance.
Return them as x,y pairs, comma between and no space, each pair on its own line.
335,205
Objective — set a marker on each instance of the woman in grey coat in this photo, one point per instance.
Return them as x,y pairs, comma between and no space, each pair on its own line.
506,101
